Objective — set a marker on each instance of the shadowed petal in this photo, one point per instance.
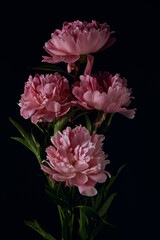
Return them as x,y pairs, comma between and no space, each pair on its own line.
87,190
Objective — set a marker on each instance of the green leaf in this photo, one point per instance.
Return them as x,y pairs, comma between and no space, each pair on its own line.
35,225
95,231
59,125
112,180
65,225
57,199
37,149
102,194
22,140
106,123
90,212
52,68
103,210
22,131
88,123
49,67
98,200
82,225
28,140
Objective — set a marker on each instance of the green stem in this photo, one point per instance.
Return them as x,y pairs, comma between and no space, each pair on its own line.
108,122
77,71
72,224
81,114
40,128
97,120
72,214
61,215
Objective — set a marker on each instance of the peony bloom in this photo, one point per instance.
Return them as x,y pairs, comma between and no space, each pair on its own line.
75,39
76,158
45,97
104,92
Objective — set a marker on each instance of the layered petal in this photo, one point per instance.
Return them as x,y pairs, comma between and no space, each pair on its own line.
75,39
104,92
76,158
45,97
87,190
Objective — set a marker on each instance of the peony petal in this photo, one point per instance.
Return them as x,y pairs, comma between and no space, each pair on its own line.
87,190
79,179
47,169
90,60
42,116
58,58
129,113
63,177
26,113
98,177
80,166
53,106
109,43
95,99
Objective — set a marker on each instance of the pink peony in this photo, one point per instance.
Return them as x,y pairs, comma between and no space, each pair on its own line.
76,158
75,39
45,97
104,92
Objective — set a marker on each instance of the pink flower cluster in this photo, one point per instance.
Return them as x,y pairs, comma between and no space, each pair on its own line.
104,92
45,97
75,39
76,158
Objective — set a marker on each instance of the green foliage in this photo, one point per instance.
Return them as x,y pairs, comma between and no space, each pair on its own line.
59,125
93,214
103,192
49,67
106,123
58,198
66,224
28,140
83,221
88,123
112,180
52,68
35,225
104,208
89,211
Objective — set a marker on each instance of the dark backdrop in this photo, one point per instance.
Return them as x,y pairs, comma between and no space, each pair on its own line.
24,29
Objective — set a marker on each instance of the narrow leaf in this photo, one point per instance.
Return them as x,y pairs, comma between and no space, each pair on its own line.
22,131
106,123
49,67
23,141
90,212
98,200
59,125
113,178
57,200
88,123
82,225
103,210
37,149
28,140
35,225
65,225
95,231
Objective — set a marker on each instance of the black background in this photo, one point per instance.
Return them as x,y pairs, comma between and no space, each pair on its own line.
24,29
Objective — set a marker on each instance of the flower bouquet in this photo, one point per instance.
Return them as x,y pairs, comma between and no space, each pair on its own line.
72,109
